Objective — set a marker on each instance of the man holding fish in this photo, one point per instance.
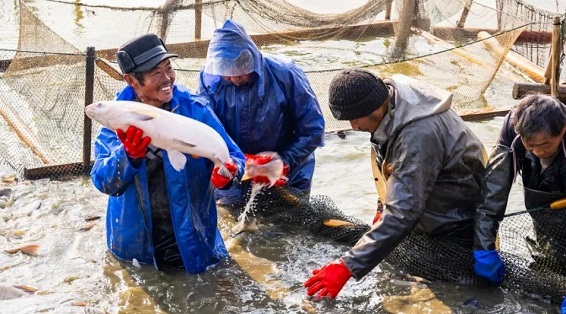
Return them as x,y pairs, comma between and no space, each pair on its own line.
431,162
161,208
267,106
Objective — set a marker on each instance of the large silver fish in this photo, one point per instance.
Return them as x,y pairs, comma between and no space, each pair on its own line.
177,134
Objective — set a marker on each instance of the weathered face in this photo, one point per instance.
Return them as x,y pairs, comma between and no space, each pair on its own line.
543,145
370,122
240,80
157,87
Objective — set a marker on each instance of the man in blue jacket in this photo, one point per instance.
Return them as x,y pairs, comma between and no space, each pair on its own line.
157,215
265,102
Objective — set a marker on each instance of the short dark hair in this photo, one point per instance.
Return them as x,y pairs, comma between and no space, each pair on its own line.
539,114
138,76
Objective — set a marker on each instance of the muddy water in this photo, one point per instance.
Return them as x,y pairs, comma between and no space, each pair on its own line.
72,271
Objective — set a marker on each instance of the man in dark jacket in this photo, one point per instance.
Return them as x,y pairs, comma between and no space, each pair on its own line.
531,143
432,162
265,102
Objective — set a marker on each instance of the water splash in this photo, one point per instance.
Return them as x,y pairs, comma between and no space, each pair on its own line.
246,223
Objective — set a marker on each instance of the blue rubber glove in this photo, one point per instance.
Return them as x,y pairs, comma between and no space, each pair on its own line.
489,266
563,306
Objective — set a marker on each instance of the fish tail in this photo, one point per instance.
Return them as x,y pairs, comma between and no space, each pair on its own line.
222,170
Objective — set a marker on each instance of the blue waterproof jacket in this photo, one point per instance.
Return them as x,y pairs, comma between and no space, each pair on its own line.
278,111
190,193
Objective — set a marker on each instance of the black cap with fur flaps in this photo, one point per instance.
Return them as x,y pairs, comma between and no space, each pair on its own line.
142,54
355,93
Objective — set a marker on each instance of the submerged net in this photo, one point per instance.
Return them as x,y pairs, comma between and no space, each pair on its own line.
434,41
287,206
532,249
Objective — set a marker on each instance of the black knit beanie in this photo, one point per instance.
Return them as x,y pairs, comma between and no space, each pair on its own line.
355,93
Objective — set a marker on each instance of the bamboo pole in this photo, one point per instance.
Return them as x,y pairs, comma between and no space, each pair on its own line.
403,29
465,13
388,9
555,57
532,70
24,133
198,19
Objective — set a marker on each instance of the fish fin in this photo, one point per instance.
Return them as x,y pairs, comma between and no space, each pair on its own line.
177,159
222,170
145,115
184,144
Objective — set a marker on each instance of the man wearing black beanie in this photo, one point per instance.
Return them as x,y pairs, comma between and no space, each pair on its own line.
431,163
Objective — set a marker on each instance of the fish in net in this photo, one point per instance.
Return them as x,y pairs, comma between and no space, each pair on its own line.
531,263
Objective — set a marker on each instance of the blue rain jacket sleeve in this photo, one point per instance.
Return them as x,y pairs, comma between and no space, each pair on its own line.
191,201
277,111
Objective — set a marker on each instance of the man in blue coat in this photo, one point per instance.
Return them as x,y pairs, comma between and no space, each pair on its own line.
157,215
265,102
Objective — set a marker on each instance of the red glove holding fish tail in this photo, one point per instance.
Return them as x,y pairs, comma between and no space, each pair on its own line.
262,159
134,142
328,280
221,181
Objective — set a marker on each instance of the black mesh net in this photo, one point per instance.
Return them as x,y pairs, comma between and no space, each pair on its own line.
287,206
530,248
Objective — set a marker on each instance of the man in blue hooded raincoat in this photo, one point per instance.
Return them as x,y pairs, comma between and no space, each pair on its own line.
157,215
265,102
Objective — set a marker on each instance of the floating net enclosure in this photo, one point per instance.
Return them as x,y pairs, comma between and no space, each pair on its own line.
44,80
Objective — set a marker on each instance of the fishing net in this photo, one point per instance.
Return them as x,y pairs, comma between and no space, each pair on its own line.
50,76
287,206
532,246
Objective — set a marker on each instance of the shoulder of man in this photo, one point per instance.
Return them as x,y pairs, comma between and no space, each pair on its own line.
183,94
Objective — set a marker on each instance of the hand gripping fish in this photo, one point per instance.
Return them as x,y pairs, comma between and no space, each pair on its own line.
177,134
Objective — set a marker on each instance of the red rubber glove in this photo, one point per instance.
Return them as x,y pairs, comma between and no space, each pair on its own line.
262,159
328,280
134,142
219,180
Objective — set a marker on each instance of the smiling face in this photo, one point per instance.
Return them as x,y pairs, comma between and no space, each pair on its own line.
156,88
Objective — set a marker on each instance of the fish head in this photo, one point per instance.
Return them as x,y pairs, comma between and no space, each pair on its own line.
101,112
272,170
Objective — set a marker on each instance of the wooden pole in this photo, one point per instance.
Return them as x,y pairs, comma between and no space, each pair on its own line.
555,57
465,13
198,19
403,29
531,69
89,95
388,9
521,90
